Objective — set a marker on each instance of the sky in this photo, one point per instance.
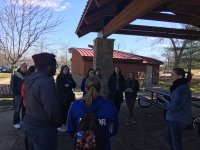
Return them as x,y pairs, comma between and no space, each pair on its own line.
65,36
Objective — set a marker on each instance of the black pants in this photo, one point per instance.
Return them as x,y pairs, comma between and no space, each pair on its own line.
117,98
65,111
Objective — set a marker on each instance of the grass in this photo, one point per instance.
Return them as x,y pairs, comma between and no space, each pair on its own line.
165,82
6,101
195,71
4,75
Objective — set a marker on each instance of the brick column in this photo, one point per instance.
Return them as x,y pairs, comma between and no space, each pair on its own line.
103,59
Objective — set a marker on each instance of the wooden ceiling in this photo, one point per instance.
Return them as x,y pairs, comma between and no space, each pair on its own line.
114,17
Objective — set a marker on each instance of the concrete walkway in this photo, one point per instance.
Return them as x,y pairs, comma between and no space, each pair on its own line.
147,134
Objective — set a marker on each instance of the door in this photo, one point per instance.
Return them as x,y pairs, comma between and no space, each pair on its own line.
149,75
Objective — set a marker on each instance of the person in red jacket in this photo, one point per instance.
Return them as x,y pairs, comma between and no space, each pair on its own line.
31,69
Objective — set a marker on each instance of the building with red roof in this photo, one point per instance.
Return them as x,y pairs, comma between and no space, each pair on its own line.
144,68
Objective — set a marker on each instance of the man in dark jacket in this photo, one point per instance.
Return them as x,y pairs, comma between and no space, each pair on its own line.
43,114
16,84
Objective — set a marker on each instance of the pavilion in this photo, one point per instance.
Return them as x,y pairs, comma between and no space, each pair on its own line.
107,17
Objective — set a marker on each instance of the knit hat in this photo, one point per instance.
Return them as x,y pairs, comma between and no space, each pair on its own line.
43,60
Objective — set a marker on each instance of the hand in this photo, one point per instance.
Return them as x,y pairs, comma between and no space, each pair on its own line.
162,98
66,85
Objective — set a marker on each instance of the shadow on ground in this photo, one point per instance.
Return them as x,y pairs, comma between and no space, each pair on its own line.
147,134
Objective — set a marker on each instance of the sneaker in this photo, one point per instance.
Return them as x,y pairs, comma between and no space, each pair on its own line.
127,122
133,121
62,129
17,126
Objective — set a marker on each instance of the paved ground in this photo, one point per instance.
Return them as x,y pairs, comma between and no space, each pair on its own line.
147,134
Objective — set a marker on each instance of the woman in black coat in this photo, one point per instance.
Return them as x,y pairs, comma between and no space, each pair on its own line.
116,86
65,83
132,87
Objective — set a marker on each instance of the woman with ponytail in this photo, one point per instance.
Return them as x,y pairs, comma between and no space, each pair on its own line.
106,112
179,107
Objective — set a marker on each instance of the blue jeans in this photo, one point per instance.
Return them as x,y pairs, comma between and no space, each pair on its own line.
17,108
41,138
174,135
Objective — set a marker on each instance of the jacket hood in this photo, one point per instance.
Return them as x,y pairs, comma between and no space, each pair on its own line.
29,80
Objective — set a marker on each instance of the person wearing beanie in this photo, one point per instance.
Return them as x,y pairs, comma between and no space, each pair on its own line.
43,113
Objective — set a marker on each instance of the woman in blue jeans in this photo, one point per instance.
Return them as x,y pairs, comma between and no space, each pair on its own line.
179,108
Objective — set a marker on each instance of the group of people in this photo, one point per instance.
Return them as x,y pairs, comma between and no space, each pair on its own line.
116,86
44,104
49,106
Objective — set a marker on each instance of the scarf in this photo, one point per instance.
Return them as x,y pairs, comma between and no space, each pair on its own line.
178,83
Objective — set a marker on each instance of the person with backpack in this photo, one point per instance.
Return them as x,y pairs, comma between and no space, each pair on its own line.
93,119
65,83
16,85
132,87
43,106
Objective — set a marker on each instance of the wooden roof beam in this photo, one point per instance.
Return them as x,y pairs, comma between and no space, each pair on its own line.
172,18
153,34
133,11
109,10
161,30
188,2
101,3
184,9
95,27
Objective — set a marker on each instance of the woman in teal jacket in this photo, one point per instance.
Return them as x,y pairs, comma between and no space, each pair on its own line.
106,112
179,108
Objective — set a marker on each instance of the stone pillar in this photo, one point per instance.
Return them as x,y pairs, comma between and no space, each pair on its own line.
103,59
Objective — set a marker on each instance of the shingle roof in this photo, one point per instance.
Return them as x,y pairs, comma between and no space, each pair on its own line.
117,55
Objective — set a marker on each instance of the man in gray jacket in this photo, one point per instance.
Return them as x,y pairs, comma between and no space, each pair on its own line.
43,114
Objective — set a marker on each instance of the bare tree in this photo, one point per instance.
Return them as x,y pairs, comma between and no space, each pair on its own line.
22,25
177,47
191,55
121,46
167,54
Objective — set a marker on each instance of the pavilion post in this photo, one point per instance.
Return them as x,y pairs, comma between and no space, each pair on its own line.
103,59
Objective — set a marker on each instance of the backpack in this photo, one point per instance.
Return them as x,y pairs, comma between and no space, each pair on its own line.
89,134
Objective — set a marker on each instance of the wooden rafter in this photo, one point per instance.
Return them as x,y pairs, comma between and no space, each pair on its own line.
101,3
160,32
153,34
112,16
134,10
88,28
187,2
108,10
184,9
172,18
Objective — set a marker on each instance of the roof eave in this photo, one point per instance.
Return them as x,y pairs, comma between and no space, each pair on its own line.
82,17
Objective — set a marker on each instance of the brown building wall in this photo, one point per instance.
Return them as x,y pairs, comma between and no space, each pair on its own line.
87,65
138,69
80,68
77,64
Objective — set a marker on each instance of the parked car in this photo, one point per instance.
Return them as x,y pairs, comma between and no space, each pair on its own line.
5,69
